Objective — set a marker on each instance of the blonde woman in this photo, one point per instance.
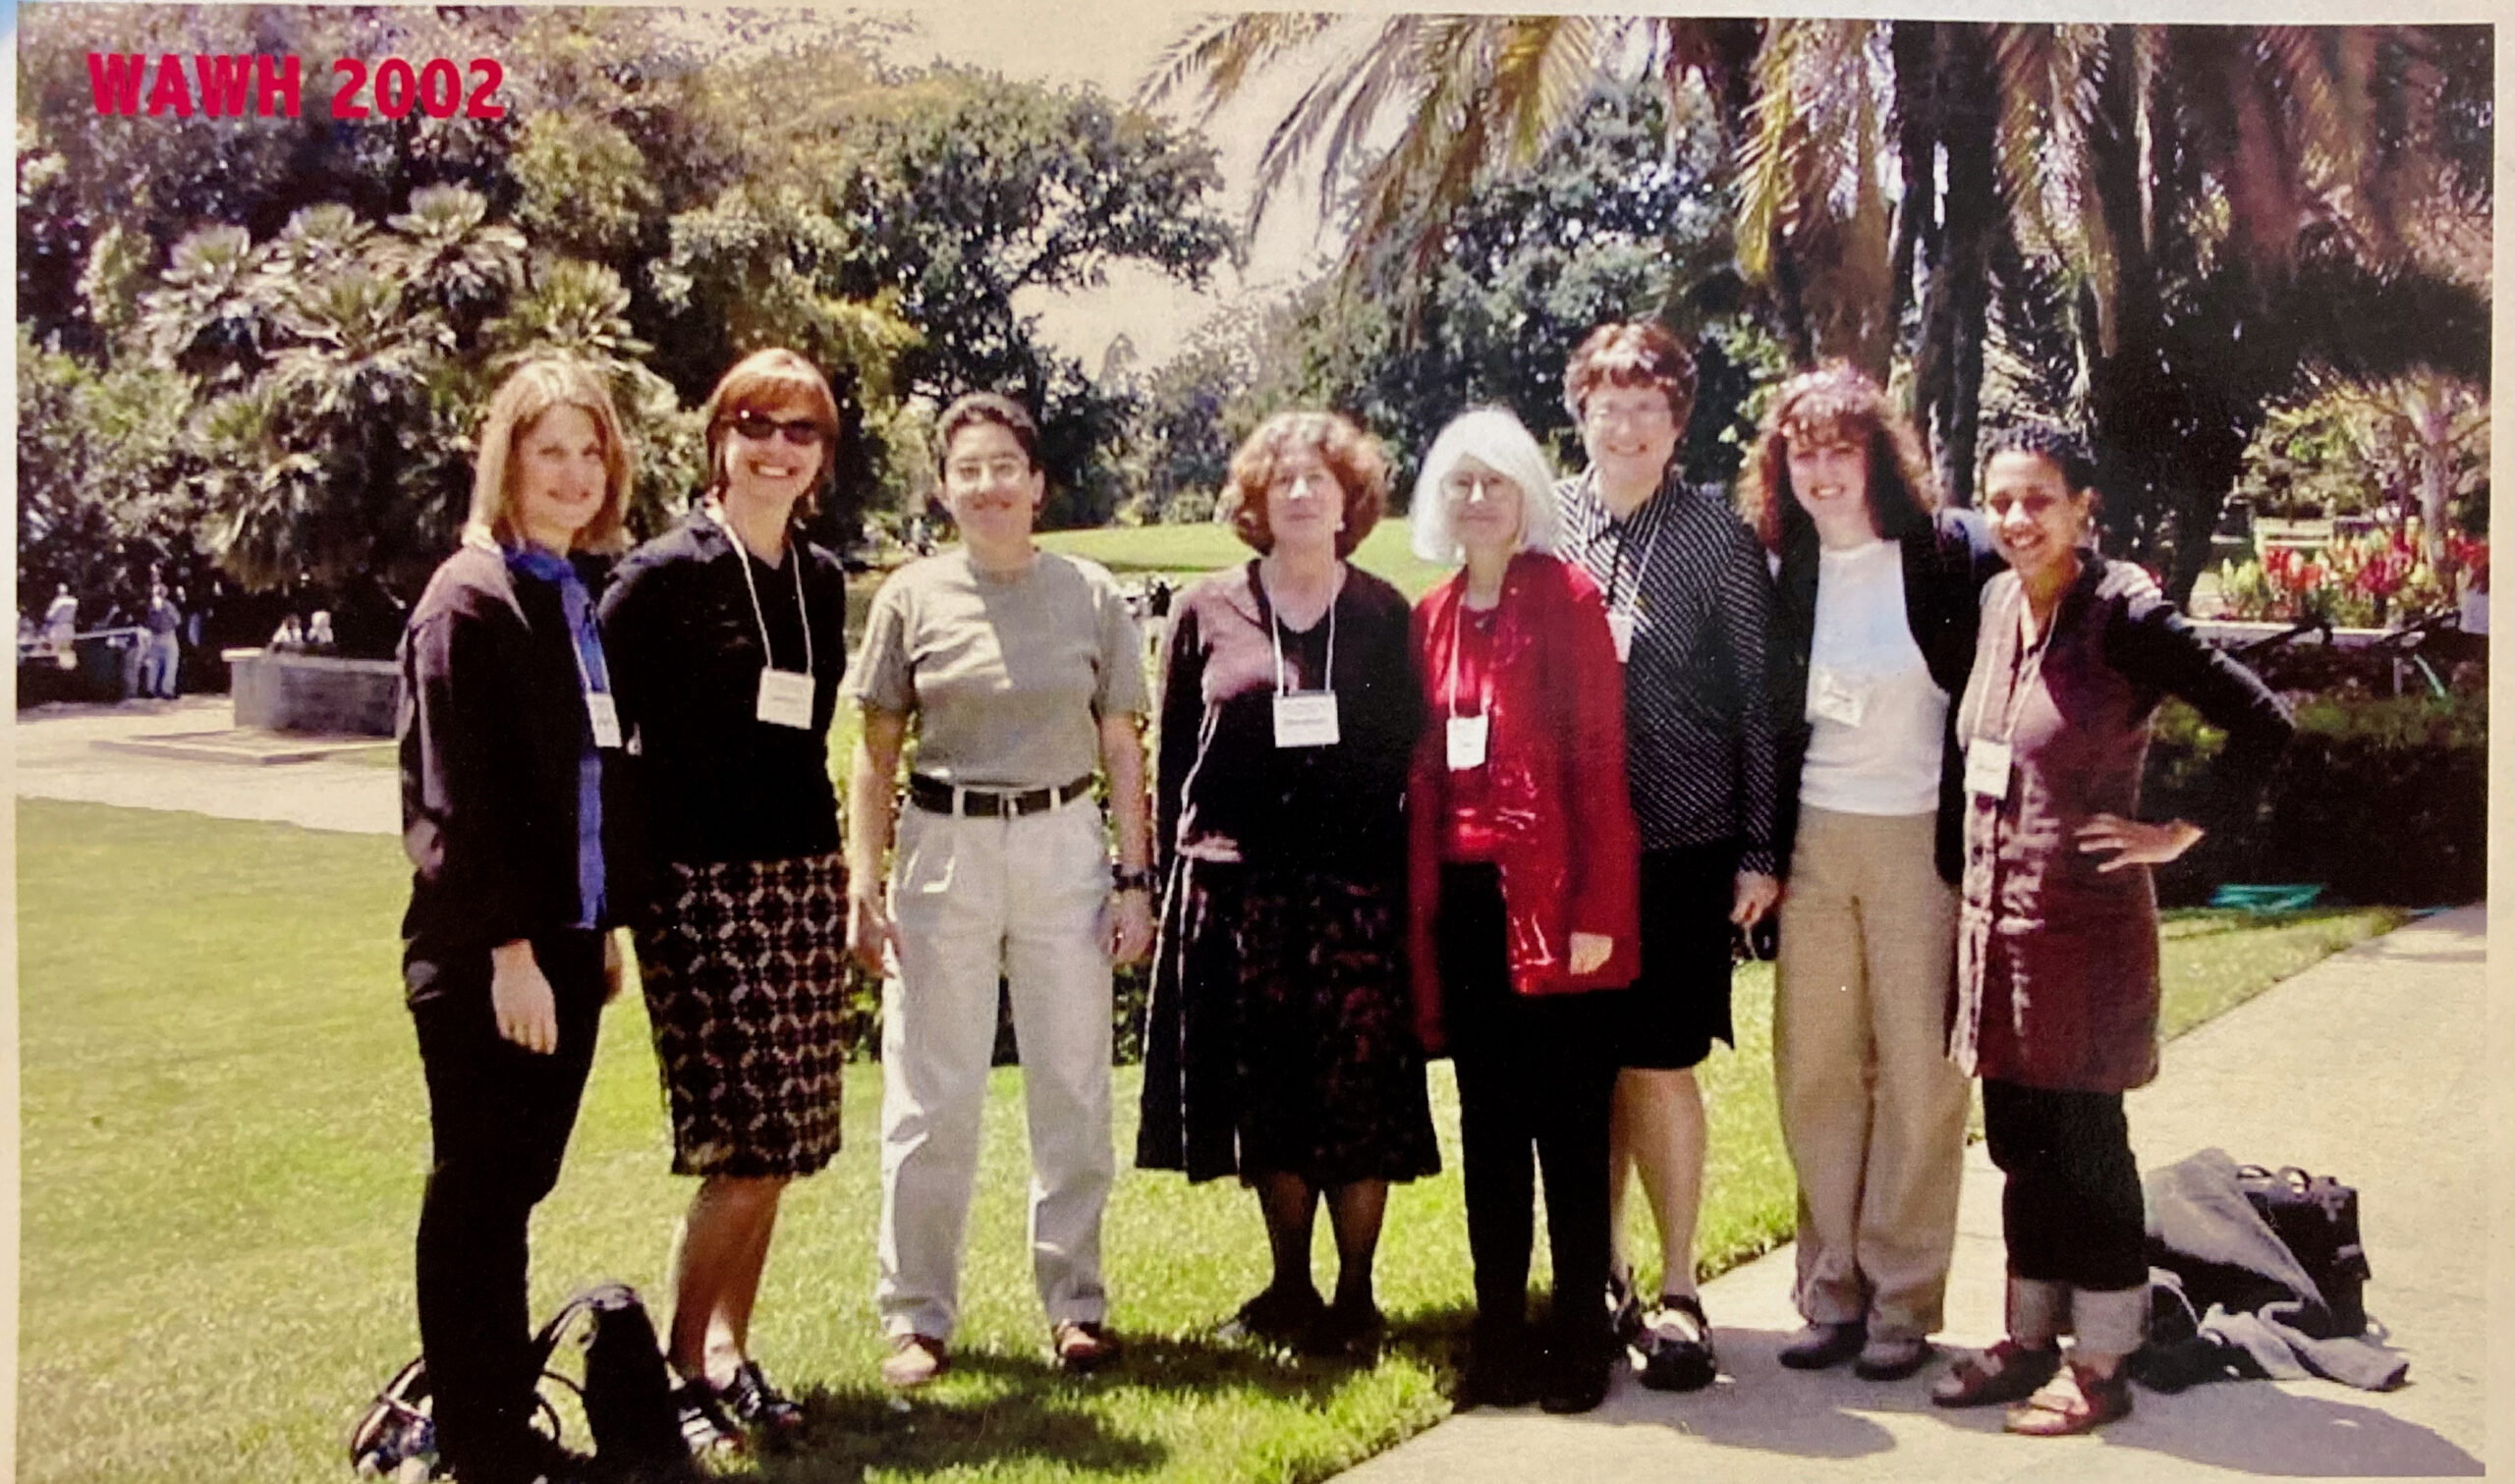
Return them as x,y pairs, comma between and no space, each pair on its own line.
508,732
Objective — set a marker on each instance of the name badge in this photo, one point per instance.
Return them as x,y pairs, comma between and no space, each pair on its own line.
605,718
1986,768
1832,698
1306,719
1620,628
1467,743
786,698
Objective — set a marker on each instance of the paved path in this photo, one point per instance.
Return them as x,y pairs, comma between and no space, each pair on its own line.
57,757
2373,1065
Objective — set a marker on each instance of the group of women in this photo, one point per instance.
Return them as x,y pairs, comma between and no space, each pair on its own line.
1519,824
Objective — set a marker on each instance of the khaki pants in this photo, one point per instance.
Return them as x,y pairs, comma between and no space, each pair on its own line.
1872,1110
976,901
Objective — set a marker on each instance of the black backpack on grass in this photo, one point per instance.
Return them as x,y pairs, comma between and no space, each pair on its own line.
626,1396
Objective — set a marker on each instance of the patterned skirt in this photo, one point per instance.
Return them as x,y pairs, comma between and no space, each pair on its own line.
1280,1038
744,969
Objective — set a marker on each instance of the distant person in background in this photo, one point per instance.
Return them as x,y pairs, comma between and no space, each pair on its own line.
2056,949
728,631
164,622
1279,1045
508,732
319,633
61,627
289,638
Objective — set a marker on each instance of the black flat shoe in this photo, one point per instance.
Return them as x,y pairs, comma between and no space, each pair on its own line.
1278,1316
1821,1347
1577,1381
1498,1373
1350,1330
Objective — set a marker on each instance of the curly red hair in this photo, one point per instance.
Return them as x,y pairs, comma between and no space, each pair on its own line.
1352,454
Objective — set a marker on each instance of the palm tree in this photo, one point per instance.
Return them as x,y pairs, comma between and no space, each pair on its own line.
1477,95
450,256
212,310
2097,162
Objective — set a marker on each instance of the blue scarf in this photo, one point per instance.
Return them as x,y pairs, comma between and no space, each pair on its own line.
578,604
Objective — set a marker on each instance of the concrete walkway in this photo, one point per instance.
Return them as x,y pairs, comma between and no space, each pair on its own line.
2373,1066
65,751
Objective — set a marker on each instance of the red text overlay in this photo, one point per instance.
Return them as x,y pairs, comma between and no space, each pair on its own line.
216,87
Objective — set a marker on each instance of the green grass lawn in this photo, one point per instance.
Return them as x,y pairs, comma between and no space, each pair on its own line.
224,1133
1183,551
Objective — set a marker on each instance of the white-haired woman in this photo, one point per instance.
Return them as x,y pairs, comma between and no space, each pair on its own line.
1523,873
507,735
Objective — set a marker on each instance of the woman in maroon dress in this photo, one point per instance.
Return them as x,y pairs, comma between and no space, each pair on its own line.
2057,936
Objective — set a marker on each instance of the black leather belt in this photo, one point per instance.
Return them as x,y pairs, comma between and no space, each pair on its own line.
990,803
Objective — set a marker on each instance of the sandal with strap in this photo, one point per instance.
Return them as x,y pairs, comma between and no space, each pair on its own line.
2078,1399
2006,1372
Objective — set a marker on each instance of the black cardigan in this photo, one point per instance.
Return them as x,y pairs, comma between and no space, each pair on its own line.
1944,570
492,729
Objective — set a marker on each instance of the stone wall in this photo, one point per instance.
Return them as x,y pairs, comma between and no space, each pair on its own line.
313,693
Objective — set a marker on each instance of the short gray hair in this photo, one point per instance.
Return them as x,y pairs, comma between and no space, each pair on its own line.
1495,438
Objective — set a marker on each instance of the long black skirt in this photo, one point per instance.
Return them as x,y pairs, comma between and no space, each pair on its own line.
1280,1038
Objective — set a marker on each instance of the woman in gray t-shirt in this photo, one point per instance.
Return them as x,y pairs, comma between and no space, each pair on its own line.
1021,672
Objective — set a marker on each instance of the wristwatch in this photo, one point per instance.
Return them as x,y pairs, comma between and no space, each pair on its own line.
1133,879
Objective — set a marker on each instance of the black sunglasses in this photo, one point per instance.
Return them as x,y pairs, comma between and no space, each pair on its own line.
759,427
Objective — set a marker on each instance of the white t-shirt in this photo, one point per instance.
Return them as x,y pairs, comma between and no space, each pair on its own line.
1878,719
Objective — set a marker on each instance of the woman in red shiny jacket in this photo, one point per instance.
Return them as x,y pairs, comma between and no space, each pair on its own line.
1524,877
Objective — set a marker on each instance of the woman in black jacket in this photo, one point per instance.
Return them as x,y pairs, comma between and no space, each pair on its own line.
507,733
1878,605
728,632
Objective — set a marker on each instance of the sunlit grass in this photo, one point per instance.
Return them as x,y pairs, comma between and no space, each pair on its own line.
224,1133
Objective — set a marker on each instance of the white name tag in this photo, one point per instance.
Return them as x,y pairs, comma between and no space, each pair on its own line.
1986,768
1306,719
786,698
605,717
1620,621
1831,697
1467,743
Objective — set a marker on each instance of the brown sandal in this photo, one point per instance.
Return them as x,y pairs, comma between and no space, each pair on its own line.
2076,1400
2006,1372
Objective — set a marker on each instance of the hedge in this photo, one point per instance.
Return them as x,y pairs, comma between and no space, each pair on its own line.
2378,799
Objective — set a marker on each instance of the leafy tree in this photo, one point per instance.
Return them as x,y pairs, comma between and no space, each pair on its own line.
2410,445
1606,224
977,192
100,458
2140,172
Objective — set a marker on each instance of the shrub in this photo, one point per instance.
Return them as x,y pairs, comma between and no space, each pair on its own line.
2382,800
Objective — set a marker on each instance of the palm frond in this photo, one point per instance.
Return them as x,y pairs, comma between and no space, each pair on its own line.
1224,50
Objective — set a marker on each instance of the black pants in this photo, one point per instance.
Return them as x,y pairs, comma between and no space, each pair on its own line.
1536,1075
500,1117
2072,1209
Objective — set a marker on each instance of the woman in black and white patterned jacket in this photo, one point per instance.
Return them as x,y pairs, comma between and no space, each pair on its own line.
1689,604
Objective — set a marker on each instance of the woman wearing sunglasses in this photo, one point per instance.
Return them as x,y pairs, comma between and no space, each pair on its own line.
728,635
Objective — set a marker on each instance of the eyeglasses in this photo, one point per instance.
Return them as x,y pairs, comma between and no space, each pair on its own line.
969,473
1648,413
759,427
